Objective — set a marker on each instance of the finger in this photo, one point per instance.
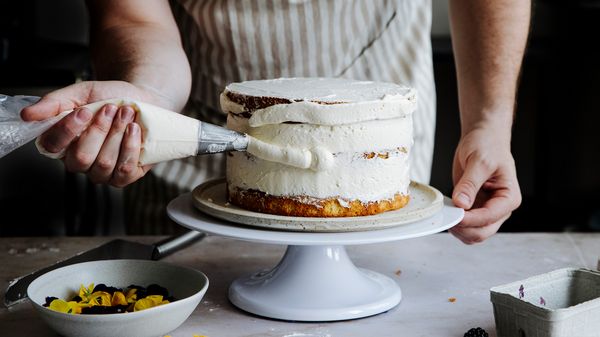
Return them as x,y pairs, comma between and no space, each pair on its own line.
127,169
82,154
457,234
43,109
474,176
61,135
491,211
493,205
102,169
64,99
472,235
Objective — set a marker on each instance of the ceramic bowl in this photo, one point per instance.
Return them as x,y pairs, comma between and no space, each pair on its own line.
187,285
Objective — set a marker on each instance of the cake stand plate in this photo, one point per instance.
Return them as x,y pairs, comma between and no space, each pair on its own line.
211,199
315,280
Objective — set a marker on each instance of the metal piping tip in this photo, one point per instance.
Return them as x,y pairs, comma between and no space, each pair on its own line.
216,139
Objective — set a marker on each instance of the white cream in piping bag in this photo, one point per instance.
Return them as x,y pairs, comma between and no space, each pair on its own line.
167,135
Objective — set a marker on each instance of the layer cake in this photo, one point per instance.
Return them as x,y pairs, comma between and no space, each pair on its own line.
359,134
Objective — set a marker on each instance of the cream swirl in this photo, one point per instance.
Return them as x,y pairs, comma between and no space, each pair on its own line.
317,159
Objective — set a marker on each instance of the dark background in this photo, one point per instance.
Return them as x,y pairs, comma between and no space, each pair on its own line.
556,142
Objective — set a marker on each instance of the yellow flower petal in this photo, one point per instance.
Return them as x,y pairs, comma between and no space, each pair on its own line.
84,292
131,295
100,298
148,302
156,299
59,305
118,298
75,308
71,307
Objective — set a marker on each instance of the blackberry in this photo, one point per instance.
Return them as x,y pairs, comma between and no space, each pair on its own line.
104,310
476,332
49,300
105,288
155,289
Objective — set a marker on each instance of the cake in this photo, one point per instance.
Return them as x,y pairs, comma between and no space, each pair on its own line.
357,136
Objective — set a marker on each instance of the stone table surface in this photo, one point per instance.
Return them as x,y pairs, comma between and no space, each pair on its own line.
430,270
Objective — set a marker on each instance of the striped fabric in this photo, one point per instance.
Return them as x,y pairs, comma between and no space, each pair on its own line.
235,40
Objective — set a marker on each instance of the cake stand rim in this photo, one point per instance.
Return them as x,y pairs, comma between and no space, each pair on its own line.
184,213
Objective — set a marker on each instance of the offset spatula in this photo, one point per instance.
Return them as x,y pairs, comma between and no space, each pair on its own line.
115,249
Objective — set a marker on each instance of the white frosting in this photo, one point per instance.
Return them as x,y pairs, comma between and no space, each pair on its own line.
369,119
326,90
317,159
351,177
350,101
359,137
166,135
334,114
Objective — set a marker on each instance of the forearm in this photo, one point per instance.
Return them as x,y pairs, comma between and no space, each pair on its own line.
146,54
489,39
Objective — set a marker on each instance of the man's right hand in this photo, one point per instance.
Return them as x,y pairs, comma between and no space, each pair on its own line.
106,146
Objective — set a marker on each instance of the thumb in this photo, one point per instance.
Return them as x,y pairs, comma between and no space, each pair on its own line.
43,109
67,98
474,176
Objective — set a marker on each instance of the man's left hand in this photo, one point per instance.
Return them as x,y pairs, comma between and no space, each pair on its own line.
485,183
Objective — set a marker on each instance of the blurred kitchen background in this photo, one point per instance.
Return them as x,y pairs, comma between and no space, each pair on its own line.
556,144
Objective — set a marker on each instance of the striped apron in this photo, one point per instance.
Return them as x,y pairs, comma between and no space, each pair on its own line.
236,40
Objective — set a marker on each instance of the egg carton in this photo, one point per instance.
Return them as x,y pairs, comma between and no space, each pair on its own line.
561,303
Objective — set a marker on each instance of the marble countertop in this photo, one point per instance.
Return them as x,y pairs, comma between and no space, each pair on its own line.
430,270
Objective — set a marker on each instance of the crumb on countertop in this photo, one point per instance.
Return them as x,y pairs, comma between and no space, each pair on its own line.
452,299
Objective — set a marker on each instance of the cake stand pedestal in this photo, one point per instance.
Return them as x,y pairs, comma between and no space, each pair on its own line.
315,280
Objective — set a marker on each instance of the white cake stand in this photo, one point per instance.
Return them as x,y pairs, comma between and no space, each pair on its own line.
315,280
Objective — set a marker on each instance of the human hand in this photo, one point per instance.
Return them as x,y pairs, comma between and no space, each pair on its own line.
106,146
485,184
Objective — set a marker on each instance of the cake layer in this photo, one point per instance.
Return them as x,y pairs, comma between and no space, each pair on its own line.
365,177
359,137
317,101
262,93
308,207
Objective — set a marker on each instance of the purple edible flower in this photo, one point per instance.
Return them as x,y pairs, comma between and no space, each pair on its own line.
542,301
521,291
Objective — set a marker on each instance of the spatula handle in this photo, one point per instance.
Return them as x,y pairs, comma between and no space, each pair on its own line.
174,243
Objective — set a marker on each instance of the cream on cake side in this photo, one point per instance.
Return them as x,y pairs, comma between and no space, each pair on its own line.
317,159
352,177
363,137
352,174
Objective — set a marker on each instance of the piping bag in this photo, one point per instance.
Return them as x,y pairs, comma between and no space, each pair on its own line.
166,135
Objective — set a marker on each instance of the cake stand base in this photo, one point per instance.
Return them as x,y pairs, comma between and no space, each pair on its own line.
315,280
315,283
